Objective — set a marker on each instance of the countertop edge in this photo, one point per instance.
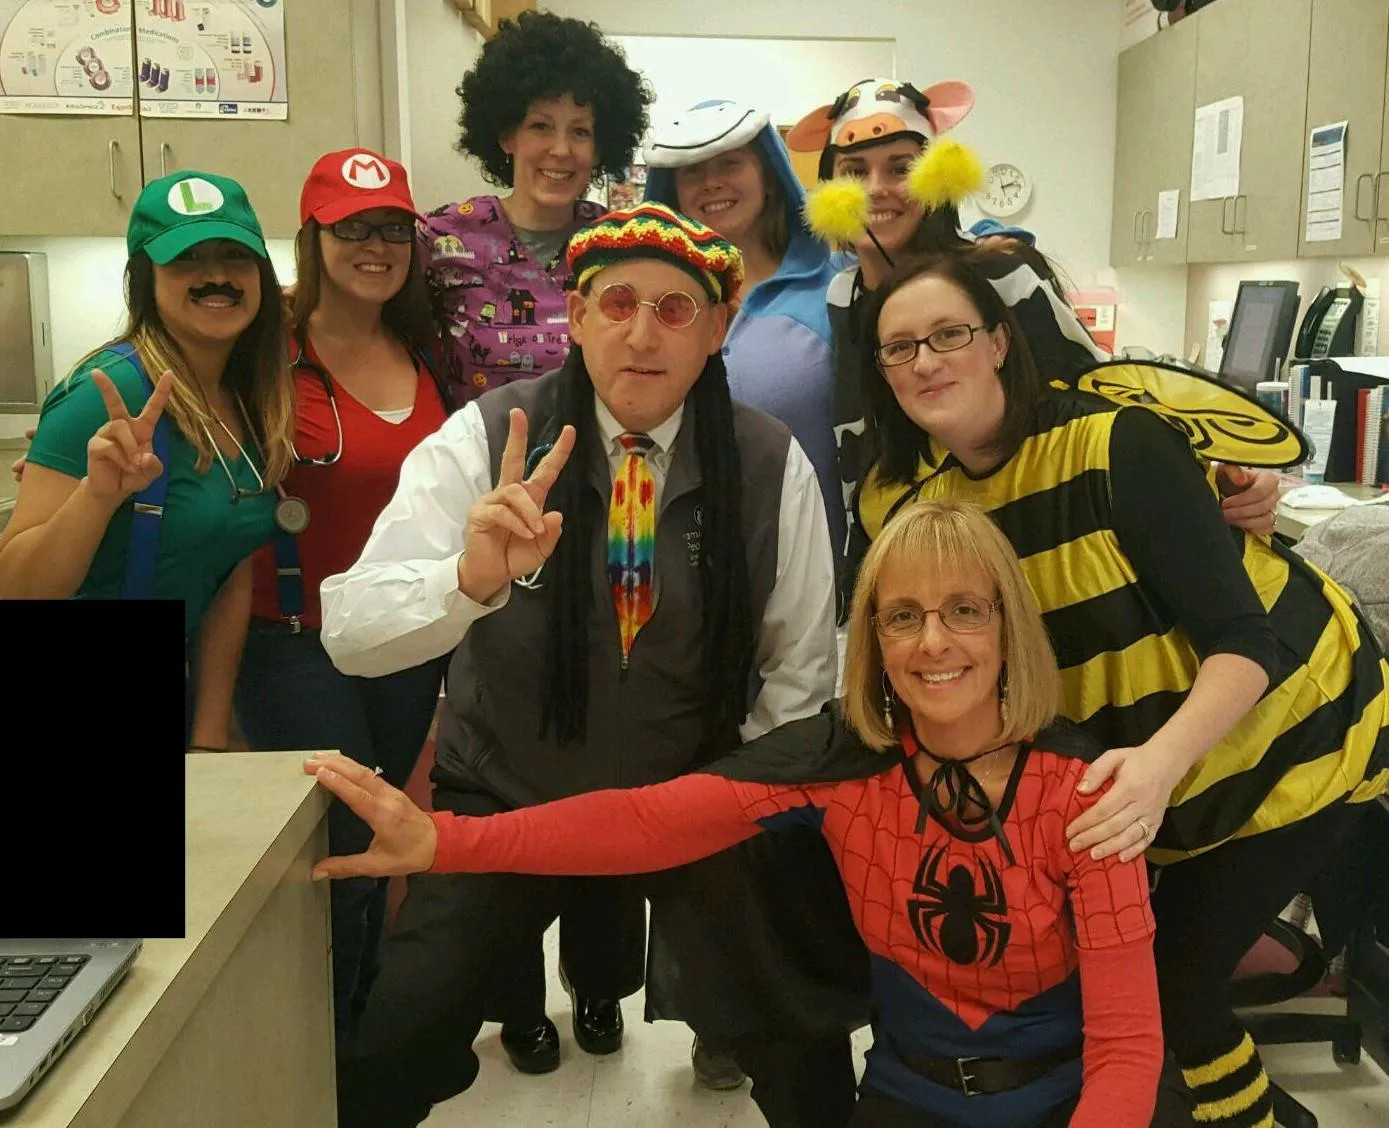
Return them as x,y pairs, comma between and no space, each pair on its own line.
129,1070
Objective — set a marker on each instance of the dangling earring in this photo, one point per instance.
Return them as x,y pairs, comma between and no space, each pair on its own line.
1003,693
888,698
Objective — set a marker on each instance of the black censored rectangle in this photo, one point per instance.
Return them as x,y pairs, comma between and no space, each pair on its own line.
92,770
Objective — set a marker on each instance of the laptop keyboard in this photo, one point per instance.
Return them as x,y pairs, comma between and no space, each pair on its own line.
28,984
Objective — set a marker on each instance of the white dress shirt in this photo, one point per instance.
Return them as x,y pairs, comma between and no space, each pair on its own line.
399,604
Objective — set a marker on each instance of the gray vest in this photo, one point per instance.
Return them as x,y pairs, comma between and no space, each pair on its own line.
645,724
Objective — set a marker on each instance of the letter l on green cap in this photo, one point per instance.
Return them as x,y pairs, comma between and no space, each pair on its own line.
183,209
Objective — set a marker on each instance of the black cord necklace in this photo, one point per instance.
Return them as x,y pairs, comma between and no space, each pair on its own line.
965,801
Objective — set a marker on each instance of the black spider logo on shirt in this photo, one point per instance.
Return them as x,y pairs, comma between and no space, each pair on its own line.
951,918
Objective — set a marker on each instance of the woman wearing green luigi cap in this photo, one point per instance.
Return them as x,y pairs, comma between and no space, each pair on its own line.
153,467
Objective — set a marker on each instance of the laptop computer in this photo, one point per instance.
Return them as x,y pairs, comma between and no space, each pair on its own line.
49,990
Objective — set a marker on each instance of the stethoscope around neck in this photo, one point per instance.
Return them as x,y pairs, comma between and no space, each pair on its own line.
302,360
292,513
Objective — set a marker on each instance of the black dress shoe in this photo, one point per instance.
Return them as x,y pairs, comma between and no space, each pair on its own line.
535,1050
597,1024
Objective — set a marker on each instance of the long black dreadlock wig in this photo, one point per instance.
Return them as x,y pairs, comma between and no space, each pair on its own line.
727,633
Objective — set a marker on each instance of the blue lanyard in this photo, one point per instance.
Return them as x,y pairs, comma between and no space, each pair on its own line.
146,524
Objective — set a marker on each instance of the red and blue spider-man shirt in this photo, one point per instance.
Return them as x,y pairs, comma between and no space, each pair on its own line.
978,949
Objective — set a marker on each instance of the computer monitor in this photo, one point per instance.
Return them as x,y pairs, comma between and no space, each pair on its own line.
1260,334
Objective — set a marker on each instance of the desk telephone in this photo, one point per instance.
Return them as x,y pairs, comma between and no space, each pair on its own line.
1328,329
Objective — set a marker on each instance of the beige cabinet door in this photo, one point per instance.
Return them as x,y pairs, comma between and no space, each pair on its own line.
1153,144
272,158
1237,38
1136,113
1345,82
80,177
1222,53
1267,214
1381,182
70,175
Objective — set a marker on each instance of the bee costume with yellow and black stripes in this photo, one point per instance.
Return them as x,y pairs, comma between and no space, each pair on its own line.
1319,734
1280,791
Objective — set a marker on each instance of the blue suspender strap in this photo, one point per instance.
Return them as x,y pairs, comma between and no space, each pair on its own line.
142,553
289,580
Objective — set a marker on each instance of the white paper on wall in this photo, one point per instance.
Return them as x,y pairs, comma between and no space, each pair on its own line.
1216,149
1326,182
1168,204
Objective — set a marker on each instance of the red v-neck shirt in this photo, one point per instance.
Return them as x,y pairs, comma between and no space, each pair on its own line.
345,498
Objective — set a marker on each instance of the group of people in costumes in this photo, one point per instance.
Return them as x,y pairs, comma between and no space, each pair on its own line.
619,480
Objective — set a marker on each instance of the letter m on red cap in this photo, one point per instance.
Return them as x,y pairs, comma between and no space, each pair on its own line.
363,171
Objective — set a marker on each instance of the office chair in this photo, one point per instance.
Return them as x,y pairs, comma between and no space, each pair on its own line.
1308,966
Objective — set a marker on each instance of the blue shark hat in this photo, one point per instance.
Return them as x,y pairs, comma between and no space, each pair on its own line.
704,131
708,129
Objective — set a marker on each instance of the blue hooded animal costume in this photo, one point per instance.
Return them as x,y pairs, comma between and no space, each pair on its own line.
778,350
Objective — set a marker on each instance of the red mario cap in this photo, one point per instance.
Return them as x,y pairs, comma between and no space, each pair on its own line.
353,180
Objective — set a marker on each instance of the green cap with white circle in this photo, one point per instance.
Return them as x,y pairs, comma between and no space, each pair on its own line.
185,208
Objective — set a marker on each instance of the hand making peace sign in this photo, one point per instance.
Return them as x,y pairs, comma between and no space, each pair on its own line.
508,534
120,456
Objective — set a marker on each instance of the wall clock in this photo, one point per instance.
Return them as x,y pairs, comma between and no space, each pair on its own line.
1006,190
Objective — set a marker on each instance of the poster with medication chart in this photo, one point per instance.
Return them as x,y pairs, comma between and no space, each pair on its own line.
161,58
65,57
211,59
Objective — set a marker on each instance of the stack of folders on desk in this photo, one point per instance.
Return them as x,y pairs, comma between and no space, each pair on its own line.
1340,406
1369,435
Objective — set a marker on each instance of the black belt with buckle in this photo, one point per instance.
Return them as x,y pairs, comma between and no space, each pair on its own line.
975,1077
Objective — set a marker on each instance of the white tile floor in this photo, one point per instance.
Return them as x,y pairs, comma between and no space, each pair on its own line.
648,1082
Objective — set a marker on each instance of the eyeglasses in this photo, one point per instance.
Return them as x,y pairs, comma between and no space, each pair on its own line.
675,309
359,230
959,616
949,338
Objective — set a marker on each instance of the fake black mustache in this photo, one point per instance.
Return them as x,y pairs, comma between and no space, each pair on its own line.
225,289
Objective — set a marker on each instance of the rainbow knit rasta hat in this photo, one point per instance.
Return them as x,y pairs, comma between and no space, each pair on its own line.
652,230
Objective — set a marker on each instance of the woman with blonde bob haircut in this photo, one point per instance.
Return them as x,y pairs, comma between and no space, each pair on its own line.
1012,980
939,538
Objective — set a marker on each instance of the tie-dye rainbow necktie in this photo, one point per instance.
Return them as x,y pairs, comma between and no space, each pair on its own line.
632,539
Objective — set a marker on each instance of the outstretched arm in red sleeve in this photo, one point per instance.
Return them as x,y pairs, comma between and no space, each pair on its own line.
600,832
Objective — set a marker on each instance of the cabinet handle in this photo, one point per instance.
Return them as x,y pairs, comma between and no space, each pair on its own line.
1376,217
111,149
1148,233
164,152
1225,228
1373,178
1234,217
1137,238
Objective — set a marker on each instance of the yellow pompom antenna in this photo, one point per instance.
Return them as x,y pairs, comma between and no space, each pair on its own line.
836,211
947,172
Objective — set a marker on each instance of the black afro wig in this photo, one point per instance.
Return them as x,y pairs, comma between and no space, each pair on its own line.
539,56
